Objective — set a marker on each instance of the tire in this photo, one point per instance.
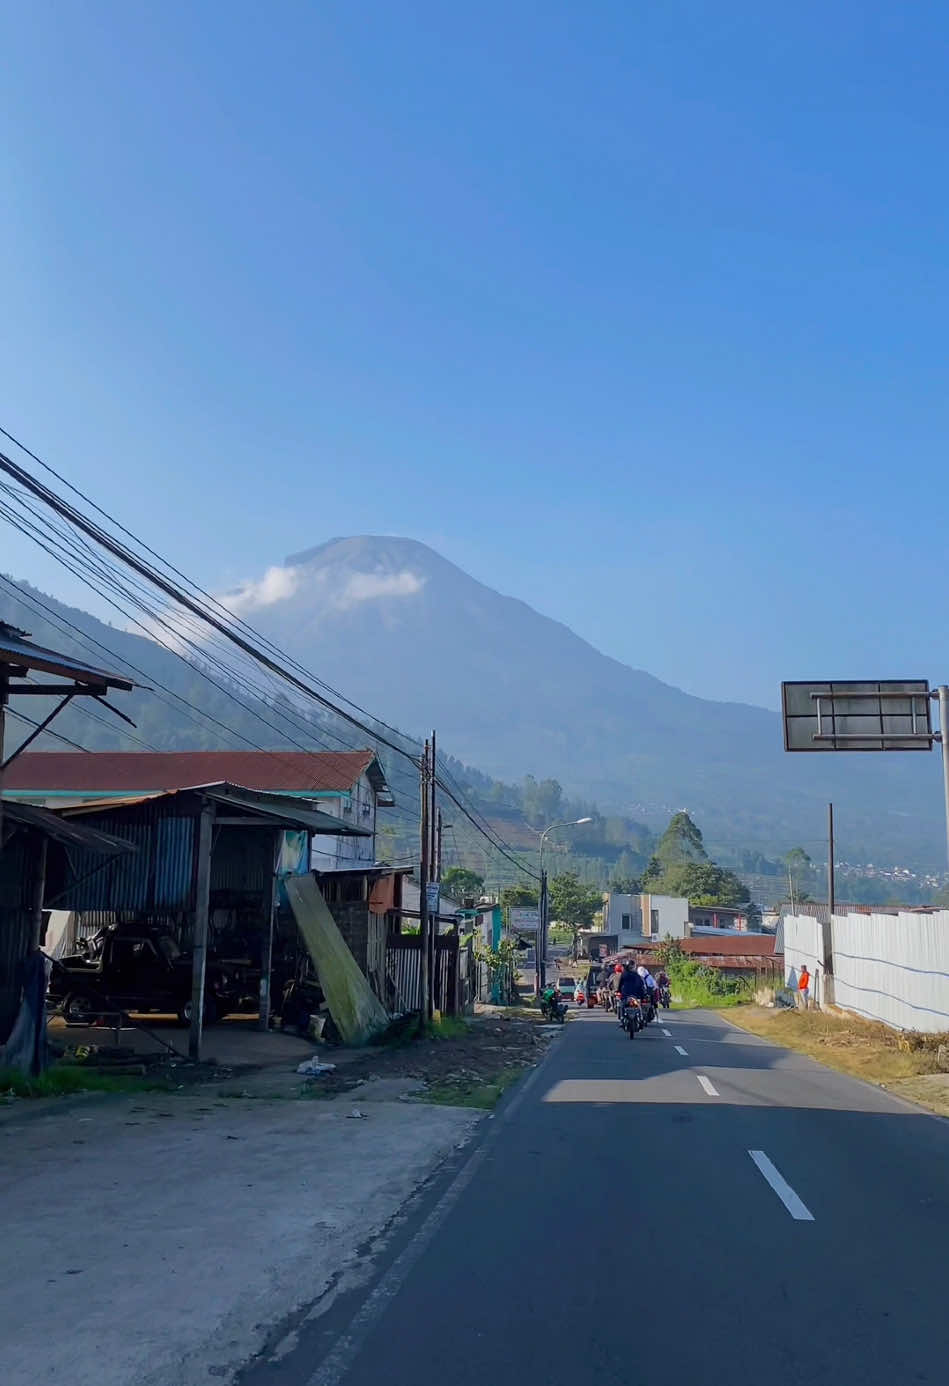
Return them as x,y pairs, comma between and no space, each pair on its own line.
210,1012
631,1030
80,1009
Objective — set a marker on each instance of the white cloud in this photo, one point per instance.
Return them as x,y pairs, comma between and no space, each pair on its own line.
364,587
276,585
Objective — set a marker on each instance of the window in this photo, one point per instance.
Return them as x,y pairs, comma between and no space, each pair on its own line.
654,921
625,921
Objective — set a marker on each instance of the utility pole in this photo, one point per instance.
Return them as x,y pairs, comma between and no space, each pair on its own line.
424,975
943,692
542,934
830,858
438,844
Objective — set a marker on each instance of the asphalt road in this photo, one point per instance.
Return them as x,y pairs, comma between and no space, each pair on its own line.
819,1258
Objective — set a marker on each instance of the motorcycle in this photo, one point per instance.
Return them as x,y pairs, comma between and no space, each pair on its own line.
554,1009
665,996
631,1017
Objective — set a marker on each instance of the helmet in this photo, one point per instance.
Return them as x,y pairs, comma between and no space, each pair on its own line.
641,970
618,968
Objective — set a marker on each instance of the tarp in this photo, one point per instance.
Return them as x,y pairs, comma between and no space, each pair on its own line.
357,1012
26,1047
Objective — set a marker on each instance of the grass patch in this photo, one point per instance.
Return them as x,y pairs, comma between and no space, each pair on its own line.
483,1096
63,1080
907,1063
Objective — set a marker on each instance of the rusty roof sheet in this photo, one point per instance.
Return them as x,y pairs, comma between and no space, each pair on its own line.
153,772
291,813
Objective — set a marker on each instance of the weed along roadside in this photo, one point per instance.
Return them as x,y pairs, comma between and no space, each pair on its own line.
911,1065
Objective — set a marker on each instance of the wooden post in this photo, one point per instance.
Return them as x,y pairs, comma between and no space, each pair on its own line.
424,928
200,944
266,953
39,891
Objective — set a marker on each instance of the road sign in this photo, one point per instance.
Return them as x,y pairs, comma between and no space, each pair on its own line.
432,897
861,715
525,919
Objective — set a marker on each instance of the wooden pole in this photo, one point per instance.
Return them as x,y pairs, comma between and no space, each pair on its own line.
423,959
39,891
200,945
266,953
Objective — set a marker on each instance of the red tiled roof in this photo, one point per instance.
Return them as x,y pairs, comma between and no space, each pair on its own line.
135,772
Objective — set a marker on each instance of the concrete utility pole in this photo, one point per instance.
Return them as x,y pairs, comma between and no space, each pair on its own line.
423,931
831,882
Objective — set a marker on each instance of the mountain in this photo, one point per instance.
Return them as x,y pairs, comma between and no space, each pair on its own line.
405,632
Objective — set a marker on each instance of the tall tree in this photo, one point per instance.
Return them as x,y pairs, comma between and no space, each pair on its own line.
681,842
798,866
573,903
460,883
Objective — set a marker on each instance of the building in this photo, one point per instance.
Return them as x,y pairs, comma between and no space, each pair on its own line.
629,919
718,917
349,785
753,957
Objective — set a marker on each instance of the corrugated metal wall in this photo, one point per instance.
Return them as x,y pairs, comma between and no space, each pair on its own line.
156,876
804,944
894,968
16,925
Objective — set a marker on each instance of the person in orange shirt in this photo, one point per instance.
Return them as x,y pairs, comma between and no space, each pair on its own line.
804,986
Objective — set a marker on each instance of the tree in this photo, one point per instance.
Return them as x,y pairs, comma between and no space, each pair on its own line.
574,904
702,883
798,866
625,885
543,802
462,884
681,842
519,895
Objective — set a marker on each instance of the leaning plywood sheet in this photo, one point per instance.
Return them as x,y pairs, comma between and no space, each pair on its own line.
356,1011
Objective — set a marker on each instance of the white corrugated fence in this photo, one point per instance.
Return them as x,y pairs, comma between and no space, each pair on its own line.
894,968
804,944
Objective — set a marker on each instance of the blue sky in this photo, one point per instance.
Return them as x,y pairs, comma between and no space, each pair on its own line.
638,312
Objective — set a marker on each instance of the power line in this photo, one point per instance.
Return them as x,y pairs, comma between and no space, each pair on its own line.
96,569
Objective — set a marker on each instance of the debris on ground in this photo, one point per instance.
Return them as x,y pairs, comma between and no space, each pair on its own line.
312,1068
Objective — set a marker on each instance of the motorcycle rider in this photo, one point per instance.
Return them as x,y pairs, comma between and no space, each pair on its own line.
631,986
652,986
665,987
550,999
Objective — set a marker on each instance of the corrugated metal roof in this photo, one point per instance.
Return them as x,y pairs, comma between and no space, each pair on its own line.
69,833
150,772
18,650
285,811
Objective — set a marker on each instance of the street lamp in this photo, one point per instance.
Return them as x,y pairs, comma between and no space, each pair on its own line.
540,960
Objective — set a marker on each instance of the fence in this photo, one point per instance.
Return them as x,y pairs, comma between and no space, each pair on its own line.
804,944
894,968
454,980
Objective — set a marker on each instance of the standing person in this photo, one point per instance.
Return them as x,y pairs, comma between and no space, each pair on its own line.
804,987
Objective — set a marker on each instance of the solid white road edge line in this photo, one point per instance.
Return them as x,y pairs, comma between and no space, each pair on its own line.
679,1050
782,1188
707,1085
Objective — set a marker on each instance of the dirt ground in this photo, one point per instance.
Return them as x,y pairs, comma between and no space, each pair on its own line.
914,1066
464,1062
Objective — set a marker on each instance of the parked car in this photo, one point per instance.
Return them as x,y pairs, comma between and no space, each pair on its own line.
139,968
568,988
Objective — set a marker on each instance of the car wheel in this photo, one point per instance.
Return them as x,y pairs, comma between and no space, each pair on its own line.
80,1009
210,1012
